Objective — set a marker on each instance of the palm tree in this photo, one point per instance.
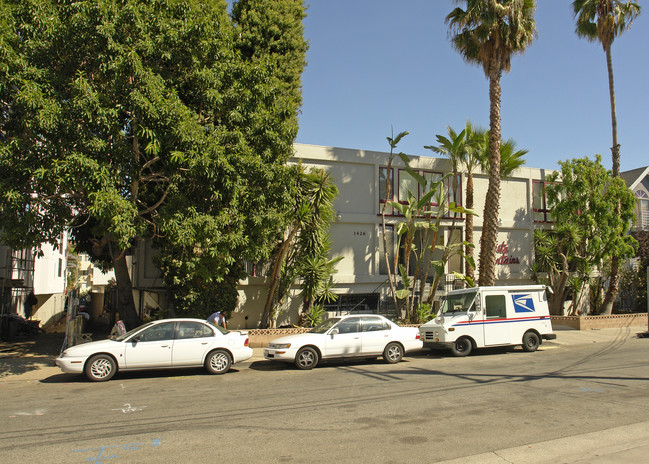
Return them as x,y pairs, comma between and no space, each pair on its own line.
488,33
602,21
461,149
510,160
453,147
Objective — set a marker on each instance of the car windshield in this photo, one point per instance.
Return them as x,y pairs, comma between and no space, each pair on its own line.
131,332
461,302
325,325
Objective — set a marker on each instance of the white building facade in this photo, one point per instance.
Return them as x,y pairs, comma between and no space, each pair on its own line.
42,272
361,278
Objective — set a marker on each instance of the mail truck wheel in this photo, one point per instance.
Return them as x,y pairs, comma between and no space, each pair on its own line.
462,347
531,341
100,368
218,362
393,353
306,358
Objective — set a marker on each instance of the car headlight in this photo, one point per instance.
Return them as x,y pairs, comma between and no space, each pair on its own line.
280,346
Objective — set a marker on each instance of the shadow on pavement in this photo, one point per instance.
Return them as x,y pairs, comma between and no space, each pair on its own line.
30,353
134,375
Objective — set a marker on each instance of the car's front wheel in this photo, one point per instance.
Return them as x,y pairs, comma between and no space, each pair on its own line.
100,368
306,358
393,353
218,362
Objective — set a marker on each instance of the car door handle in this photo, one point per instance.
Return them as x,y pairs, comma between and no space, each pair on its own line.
165,346
203,343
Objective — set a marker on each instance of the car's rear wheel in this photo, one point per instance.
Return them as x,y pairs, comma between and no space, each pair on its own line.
306,358
393,353
100,368
218,362
531,341
462,347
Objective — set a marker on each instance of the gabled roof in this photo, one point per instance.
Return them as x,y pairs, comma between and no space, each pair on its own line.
634,176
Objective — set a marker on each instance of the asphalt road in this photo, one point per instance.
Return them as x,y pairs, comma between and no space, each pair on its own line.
428,408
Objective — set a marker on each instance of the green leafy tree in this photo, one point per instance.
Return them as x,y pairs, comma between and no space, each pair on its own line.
132,120
582,199
259,122
488,33
602,21
304,249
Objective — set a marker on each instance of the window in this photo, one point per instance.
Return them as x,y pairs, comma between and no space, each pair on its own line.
539,202
374,324
389,238
407,183
383,194
359,303
383,177
157,332
495,306
193,330
350,325
642,210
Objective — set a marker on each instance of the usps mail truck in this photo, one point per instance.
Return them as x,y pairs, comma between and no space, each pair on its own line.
481,317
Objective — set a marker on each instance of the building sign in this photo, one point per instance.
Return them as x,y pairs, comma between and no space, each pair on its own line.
505,258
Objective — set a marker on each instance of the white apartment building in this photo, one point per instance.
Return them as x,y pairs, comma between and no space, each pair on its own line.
361,278
25,271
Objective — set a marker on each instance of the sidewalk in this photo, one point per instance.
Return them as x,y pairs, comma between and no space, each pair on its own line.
32,359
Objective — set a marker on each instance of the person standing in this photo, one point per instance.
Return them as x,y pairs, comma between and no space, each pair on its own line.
30,301
217,318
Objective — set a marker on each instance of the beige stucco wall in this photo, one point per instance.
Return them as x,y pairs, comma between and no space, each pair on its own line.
356,232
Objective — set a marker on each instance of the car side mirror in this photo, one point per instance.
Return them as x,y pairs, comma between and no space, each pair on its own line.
334,331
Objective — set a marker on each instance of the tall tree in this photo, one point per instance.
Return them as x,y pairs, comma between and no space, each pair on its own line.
582,199
478,155
488,33
134,119
259,122
602,21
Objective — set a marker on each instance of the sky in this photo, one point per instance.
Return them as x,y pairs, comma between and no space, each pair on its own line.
377,67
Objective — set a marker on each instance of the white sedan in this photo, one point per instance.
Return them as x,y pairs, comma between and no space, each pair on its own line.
167,343
346,336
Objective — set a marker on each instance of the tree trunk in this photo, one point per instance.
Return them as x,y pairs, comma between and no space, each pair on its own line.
274,279
469,271
615,149
492,200
126,304
614,282
613,287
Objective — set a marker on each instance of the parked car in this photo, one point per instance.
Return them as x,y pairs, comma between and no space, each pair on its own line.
167,343
346,336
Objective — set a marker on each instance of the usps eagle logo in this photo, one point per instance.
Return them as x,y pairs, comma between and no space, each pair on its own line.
523,303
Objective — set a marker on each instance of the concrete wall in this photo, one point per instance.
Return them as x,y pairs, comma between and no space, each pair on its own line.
601,322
